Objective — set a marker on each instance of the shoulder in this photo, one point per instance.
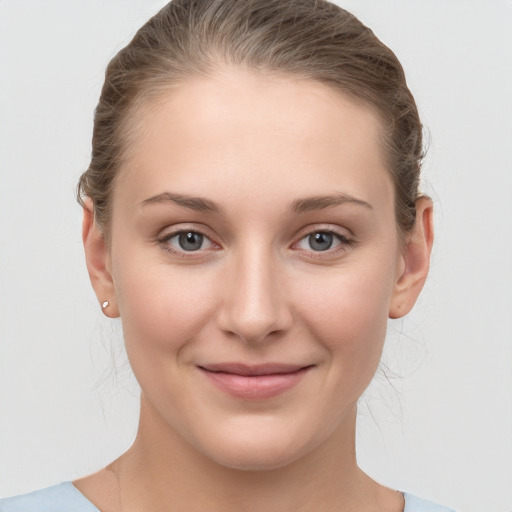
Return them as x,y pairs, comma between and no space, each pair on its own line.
64,497
415,504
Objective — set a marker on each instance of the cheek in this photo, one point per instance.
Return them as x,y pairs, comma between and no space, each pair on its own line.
348,315
162,307
163,310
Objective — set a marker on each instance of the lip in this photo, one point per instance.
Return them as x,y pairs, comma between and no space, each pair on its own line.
254,381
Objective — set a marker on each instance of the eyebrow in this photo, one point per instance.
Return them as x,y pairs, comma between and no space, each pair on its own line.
193,203
303,205
308,204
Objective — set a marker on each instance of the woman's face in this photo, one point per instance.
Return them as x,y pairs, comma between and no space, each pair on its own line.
255,258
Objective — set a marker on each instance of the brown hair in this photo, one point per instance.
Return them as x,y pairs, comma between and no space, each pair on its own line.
313,39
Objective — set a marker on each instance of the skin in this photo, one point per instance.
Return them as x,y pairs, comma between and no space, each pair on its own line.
261,150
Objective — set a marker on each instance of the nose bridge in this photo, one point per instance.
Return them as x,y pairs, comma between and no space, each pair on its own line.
254,303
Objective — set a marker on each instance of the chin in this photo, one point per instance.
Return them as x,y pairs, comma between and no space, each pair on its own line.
247,459
260,450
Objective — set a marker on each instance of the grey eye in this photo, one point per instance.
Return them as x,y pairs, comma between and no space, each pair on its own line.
320,241
190,240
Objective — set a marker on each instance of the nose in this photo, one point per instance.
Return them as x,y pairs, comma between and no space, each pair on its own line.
255,307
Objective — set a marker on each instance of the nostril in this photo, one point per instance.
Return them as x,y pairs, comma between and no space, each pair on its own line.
254,328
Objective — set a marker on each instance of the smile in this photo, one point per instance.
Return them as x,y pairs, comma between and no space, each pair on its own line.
254,382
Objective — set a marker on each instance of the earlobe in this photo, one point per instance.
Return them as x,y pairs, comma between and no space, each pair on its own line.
97,257
416,260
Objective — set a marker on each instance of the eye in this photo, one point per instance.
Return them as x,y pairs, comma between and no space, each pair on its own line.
323,240
189,241
186,241
320,241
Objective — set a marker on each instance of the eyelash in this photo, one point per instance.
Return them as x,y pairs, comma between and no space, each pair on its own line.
164,243
344,243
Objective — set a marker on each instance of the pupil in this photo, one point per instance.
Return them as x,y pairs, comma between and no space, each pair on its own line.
190,241
320,241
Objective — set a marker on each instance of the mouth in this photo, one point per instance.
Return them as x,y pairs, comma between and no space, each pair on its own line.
254,381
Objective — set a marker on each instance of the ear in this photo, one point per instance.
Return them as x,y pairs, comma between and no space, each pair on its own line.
97,257
415,259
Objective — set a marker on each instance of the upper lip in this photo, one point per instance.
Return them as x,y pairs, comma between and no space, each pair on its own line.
253,370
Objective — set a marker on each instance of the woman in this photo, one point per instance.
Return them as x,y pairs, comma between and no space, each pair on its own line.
252,213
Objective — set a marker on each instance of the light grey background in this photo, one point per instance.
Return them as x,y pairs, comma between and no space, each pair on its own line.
439,424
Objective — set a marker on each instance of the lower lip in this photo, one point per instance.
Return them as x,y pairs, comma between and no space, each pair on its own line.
255,386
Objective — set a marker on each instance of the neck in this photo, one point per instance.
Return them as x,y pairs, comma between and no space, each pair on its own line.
162,471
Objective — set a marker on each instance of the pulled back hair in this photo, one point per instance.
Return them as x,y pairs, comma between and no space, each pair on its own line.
312,39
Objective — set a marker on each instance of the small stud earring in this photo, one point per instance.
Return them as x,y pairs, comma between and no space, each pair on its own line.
105,304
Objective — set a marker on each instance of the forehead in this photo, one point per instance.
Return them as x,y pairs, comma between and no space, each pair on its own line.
251,132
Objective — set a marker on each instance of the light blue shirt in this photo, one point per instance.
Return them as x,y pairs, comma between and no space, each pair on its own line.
65,497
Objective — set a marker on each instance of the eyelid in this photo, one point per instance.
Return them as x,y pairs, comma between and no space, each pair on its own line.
343,233
344,236
172,231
